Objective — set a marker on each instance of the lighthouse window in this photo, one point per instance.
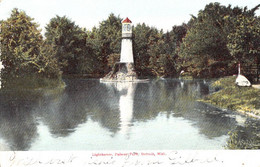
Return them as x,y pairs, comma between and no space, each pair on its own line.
128,27
124,27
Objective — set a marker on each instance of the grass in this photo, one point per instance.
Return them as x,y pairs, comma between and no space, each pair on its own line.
187,77
231,96
31,83
236,140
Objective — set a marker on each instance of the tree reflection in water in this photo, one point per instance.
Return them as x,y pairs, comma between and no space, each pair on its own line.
117,108
18,126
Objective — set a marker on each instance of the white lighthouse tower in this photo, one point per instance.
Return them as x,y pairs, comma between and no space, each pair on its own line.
124,70
126,55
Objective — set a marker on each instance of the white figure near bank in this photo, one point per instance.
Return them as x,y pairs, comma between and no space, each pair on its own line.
241,80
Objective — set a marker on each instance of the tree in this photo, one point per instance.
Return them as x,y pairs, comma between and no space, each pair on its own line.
142,39
217,38
155,52
20,45
161,61
50,67
243,42
112,59
173,40
69,44
109,37
204,49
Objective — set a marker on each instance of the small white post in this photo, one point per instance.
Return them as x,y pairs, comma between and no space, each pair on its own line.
238,68
1,67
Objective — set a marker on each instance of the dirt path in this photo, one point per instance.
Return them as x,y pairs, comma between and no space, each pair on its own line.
256,86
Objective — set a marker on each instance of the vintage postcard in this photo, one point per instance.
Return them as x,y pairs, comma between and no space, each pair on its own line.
129,83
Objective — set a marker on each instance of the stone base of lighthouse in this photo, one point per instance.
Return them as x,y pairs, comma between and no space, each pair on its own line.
121,72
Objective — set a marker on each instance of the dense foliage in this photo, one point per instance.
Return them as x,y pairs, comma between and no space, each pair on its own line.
218,39
20,44
21,49
244,43
107,41
211,44
69,45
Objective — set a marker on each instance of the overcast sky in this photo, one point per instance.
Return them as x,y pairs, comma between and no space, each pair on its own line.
162,14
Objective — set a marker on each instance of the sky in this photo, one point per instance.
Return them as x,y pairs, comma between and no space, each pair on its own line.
162,14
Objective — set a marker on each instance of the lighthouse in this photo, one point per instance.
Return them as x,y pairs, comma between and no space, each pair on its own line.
126,55
124,70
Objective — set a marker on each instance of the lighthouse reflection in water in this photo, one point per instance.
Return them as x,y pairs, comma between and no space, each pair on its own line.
126,101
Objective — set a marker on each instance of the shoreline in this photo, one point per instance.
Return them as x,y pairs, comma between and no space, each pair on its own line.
249,114
245,113
243,100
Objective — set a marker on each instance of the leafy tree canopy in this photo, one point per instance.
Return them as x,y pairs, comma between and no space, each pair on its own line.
205,50
20,44
68,41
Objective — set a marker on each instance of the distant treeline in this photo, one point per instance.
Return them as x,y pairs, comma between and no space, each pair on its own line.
209,45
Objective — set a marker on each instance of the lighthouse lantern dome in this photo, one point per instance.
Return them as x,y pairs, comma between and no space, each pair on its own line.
126,28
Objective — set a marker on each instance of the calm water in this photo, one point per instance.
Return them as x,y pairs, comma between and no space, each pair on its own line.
89,115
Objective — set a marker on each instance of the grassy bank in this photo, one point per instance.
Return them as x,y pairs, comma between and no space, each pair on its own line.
231,96
31,82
